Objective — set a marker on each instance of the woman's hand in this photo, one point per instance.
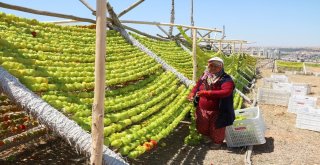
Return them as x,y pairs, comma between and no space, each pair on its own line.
190,97
202,93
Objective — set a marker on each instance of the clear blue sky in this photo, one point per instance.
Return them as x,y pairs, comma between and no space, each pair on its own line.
267,22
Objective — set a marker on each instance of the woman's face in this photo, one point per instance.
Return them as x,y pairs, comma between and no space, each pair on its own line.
214,67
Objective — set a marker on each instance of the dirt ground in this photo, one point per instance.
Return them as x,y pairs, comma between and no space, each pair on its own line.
313,69
285,144
176,152
47,150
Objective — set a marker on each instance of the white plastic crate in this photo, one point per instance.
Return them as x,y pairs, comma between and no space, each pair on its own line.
267,82
279,78
298,86
317,74
308,118
282,86
273,96
299,90
249,131
297,102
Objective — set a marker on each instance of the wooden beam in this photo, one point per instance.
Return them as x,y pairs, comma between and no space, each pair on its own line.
214,46
247,158
159,35
207,34
144,34
185,122
202,37
99,88
247,99
114,18
116,22
85,3
225,41
176,36
199,34
194,54
163,30
62,21
169,24
46,13
130,8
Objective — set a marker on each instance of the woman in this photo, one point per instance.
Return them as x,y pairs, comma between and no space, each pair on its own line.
215,109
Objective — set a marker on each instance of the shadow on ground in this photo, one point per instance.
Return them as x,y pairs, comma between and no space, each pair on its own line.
53,151
267,147
176,152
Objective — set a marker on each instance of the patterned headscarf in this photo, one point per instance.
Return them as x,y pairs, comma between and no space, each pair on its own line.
211,78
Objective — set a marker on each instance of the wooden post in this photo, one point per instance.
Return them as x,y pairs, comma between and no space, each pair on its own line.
220,46
171,18
240,47
223,32
194,54
192,21
99,89
304,69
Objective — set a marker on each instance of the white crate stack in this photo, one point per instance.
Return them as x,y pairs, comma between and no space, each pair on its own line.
268,82
273,96
301,89
249,131
279,78
308,118
297,102
278,91
282,86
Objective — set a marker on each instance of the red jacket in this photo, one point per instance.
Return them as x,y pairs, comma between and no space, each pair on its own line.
209,99
219,98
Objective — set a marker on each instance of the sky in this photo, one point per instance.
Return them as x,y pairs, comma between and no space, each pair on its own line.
275,23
